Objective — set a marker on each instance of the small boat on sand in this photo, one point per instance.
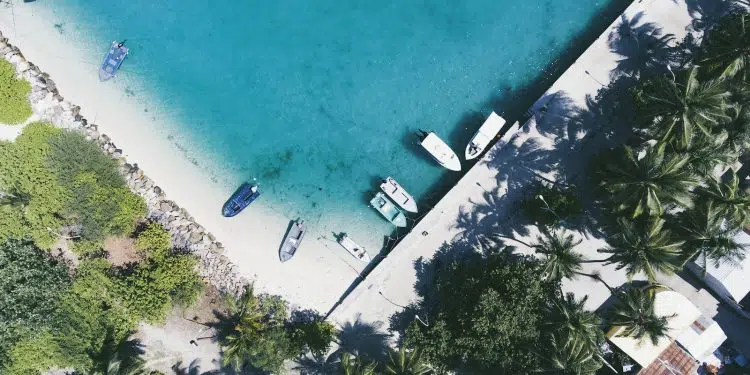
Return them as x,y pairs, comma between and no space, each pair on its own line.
246,194
353,248
381,203
486,133
291,240
113,60
440,151
398,194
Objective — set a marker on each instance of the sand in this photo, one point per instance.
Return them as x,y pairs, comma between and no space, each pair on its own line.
315,278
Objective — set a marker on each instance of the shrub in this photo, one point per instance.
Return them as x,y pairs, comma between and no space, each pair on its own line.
83,246
153,238
23,172
14,96
315,337
30,284
35,355
157,282
71,155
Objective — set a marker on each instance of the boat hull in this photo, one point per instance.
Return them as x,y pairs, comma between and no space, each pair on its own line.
243,197
484,136
398,194
112,61
358,252
382,204
292,240
441,152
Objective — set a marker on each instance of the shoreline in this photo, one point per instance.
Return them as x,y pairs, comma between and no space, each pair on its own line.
249,242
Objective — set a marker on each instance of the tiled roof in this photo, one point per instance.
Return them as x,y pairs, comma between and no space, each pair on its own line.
673,360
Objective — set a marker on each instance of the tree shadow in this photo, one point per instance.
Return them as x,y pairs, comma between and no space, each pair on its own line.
645,49
311,364
707,13
364,339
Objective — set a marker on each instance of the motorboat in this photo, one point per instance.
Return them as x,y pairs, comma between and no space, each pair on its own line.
291,240
389,210
245,194
486,133
353,248
113,60
439,150
398,194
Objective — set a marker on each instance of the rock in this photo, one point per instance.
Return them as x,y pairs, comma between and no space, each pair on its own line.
23,66
195,237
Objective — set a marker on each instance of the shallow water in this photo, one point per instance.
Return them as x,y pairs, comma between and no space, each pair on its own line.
318,99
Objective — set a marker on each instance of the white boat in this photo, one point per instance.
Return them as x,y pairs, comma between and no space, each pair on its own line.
398,194
486,133
440,151
353,248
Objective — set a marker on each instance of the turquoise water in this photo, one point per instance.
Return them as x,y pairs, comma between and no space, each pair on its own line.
317,99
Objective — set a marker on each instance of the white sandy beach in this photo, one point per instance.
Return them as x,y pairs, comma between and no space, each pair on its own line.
315,278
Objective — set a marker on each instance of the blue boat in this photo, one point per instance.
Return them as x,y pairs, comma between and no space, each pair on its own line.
241,198
113,60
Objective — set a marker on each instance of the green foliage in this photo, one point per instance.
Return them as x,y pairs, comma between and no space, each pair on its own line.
708,235
82,246
253,333
726,50
634,312
154,238
648,184
403,362
14,96
315,336
561,261
12,223
644,246
72,155
30,285
36,354
547,206
24,173
103,210
561,356
163,278
353,365
486,315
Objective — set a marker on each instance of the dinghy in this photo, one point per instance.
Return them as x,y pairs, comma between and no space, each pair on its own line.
486,133
397,193
439,150
291,240
353,248
381,203
113,60
241,198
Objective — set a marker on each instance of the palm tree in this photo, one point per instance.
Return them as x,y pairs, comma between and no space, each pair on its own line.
708,153
565,357
709,235
728,198
242,329
569,318
727,47
644,247
352,365
634,312
117,358
646,184
561,260
403,362
673,109
738,128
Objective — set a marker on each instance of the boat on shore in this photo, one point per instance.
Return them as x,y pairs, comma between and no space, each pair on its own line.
113,60
245,194
398,194
381,203
439,150
291,241
486,133
353,248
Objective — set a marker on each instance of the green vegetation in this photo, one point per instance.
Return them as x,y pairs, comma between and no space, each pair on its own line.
549,206
487,315
14,93
634,311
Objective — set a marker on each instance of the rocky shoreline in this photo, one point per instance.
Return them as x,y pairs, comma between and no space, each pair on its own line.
49,105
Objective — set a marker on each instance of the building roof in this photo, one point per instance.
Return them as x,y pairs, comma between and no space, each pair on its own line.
735,277
702,339
673,360
666,303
